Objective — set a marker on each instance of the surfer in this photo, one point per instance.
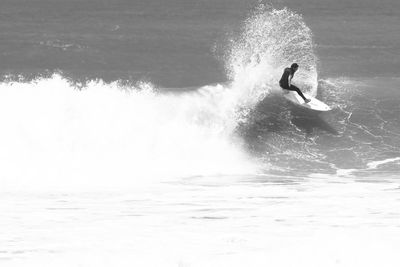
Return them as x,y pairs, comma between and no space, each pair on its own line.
286,79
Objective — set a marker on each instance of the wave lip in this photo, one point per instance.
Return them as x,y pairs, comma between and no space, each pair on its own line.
271,40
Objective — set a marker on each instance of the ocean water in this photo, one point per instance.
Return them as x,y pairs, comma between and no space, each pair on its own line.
154,133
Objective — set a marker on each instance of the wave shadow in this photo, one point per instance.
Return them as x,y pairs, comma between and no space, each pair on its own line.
276,116
310,121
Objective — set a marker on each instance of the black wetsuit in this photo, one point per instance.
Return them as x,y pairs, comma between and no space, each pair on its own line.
284,83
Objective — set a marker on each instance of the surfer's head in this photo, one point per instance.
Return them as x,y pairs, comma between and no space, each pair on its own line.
294,67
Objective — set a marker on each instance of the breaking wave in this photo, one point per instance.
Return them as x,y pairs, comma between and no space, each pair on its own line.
108,135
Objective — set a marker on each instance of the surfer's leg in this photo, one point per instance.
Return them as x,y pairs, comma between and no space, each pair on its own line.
294,88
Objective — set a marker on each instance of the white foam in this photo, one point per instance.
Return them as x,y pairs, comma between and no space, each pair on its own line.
376,164
370,166
57,136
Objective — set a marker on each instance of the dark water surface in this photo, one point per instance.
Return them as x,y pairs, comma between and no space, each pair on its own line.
171,42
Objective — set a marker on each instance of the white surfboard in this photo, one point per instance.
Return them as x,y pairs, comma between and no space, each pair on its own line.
314,104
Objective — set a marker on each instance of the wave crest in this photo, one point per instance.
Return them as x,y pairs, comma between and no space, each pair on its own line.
271,40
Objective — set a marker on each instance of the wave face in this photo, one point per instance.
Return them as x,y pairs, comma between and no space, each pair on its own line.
359,137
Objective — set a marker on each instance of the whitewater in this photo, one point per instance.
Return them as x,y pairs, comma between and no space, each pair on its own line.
131,173
85,136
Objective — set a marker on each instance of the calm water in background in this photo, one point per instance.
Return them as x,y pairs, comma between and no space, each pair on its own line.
170,42
138,176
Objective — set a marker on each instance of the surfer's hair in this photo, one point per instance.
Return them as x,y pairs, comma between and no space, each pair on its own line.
294,66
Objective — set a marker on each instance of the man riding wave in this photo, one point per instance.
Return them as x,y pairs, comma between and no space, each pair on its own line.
286,81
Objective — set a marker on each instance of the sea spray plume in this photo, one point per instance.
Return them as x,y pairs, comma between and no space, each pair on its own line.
270,40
